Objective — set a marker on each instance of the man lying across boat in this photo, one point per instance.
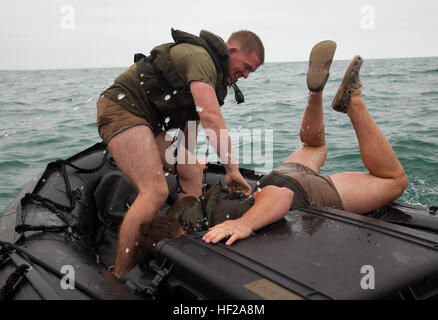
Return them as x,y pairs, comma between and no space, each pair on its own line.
296,182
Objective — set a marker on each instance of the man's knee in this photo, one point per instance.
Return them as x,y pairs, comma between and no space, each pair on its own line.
155,196
401,183
190,171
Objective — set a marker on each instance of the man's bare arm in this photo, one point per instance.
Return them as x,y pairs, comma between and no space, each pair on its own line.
270,205
217,133
212,120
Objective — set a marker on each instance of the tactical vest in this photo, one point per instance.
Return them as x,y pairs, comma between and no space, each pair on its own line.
167,90
218,206
214,207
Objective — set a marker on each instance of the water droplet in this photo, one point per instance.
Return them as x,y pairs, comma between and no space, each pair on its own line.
258,183
121,96
253,233
199,109
227,216
82,187
127,250
89,99
148,140
57,174
259,189
142,83
104,151
166,174
44,180
167,120
75,108
175,92
136,243
167,97
147,92
154,244
6,134
159,172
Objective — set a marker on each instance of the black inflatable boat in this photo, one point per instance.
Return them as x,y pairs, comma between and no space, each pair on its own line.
58,239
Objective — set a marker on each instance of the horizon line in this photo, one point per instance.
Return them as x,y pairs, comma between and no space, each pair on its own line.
269,62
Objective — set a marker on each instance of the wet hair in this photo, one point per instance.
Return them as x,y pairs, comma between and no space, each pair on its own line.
250,42
160,228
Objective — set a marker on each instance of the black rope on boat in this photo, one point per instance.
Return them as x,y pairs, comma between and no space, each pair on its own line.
72,195
55,207
49,268
25,227
4,255
13,283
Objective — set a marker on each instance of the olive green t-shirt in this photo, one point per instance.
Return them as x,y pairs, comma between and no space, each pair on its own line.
192,62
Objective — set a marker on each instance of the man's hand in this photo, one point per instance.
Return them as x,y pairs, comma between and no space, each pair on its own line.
236,183
234,229
270,204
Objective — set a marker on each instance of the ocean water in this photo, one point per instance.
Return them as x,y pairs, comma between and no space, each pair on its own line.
50,114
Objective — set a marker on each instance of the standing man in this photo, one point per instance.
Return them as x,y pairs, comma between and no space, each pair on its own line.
180,81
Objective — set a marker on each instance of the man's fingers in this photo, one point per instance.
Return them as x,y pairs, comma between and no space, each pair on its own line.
220,236
217,234
230,241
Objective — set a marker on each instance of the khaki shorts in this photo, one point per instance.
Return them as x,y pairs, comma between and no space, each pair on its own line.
320,189
113,119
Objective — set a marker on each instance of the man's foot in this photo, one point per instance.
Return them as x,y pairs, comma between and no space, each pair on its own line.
350,83
321,58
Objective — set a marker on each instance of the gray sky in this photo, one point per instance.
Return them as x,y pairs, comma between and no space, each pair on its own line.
48,34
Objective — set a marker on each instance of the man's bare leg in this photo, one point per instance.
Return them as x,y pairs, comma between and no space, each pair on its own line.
137,155
313,150
189,171
386,180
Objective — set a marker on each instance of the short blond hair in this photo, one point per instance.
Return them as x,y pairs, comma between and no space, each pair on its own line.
249,42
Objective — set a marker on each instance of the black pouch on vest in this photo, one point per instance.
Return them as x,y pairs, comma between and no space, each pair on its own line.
222,206
190,213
